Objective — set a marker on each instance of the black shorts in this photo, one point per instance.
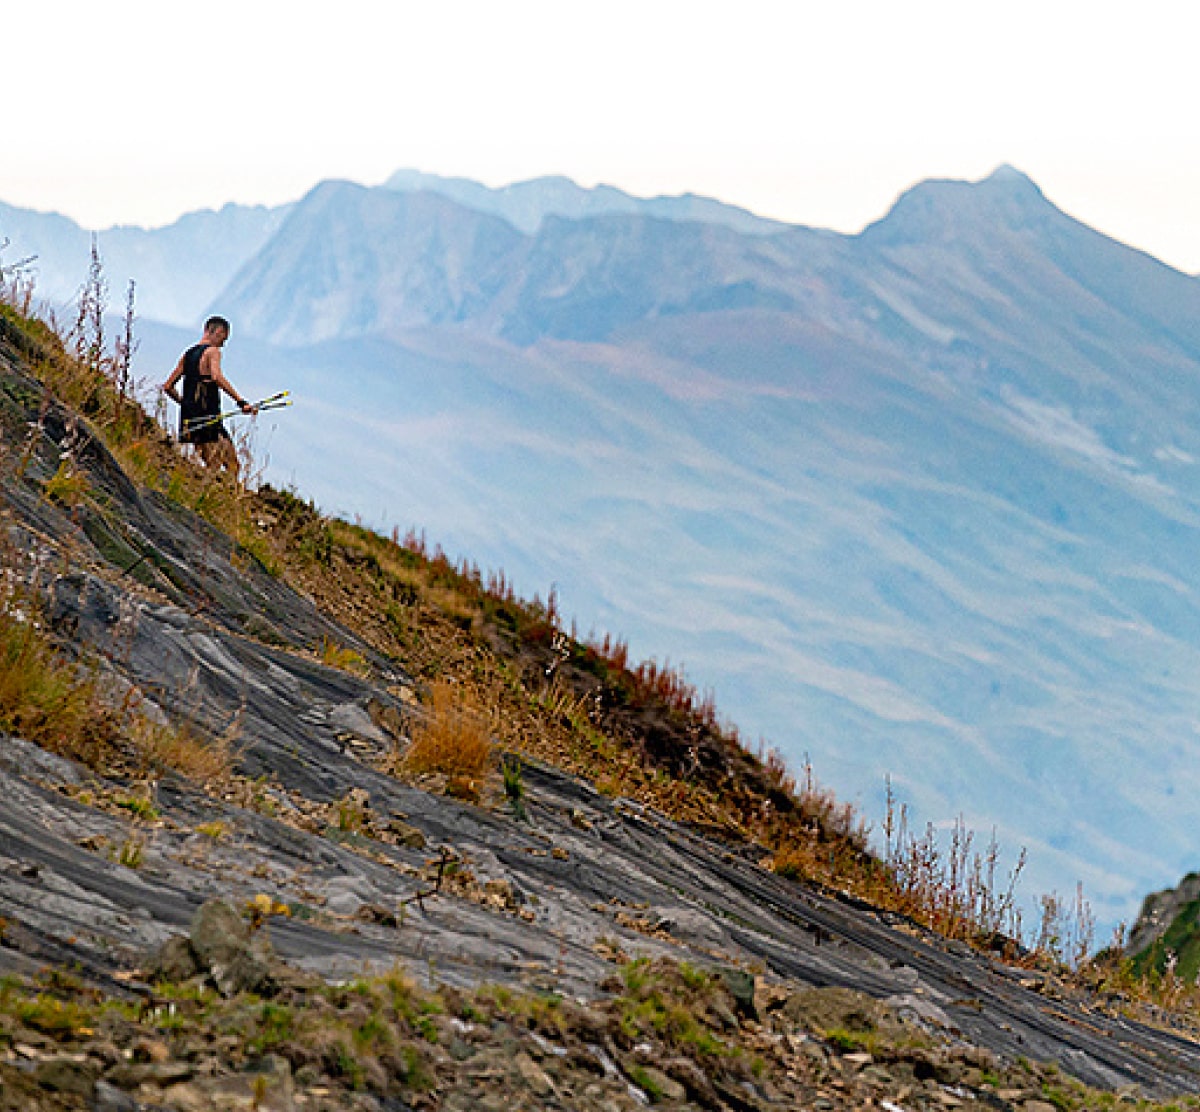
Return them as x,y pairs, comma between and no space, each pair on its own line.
208,434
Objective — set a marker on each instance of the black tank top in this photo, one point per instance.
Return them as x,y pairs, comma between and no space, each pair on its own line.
201,397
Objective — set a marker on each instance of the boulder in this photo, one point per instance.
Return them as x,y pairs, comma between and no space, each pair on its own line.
68,1076
741,987
225,947
174,961
345,895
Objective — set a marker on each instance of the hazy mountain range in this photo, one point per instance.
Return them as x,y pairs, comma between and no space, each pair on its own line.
922,501
178,269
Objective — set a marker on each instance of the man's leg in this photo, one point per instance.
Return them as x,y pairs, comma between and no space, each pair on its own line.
226,454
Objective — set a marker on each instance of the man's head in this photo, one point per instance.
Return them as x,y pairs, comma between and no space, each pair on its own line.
216,330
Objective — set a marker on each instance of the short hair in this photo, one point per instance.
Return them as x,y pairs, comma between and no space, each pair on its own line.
216,322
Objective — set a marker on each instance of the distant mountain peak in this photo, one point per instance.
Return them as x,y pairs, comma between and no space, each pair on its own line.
947,208
1007,174
333,187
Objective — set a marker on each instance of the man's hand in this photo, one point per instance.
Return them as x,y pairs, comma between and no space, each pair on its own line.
246,407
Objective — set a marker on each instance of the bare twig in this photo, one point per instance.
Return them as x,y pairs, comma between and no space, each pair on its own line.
445,861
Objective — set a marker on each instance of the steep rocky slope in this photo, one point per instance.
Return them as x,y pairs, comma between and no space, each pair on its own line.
933,487
100,868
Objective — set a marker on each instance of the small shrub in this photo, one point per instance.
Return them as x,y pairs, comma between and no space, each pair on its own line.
374,1034
340,657
514,786
262,907
158,747
427,1029
848,1041
68,486
55,704
45,700
344,1064
138,806
351,811
52,1016
276,1025
131,853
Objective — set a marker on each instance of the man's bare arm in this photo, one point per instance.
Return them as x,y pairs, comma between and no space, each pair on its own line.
168,387
210,367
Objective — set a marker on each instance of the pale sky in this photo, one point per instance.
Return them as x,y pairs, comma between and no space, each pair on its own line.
816,113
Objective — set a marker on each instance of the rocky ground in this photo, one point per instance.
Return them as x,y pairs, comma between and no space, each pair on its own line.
555,960
661,1032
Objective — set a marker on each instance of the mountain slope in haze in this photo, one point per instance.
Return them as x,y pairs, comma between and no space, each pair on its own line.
352,261
921,501
365,261
1166,935
179,268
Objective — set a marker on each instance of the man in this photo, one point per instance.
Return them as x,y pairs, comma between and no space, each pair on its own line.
203,381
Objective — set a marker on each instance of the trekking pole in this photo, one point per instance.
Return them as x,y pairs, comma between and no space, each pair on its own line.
275,401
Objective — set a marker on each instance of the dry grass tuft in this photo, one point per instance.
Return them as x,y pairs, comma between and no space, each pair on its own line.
453,741
58,705
42,698
158,747
68,486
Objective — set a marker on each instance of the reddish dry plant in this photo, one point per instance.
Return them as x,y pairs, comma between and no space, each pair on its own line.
614,651
465,575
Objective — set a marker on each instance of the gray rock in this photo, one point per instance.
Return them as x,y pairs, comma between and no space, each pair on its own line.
921,1011
533,1077
27,759
267,1088
353,719
689,925
174,961
163,1074
693,1079
66,1075
741,987
345,895
657,1084
223,945
218,933
249,971
344,903
406,834
108,1098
